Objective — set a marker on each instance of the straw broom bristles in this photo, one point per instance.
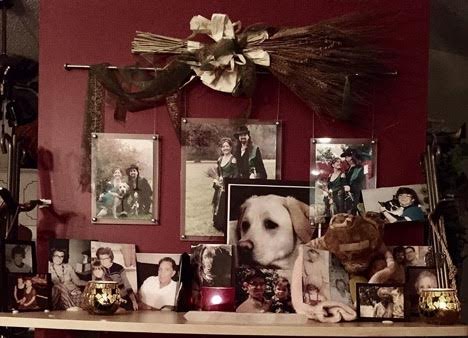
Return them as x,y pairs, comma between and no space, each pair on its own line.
153,43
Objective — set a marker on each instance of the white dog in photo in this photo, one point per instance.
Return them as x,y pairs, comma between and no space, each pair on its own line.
110,201
270,229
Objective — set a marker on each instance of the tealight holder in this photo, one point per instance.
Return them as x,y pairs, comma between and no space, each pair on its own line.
218,298
101,297
439,306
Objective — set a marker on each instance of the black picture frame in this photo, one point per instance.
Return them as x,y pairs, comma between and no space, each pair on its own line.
29,250
42,286
418,277
370,298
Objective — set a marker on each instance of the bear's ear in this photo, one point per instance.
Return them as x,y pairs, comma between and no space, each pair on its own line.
299,213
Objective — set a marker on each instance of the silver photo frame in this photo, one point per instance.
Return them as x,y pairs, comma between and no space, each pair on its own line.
205,166
124,178
339,170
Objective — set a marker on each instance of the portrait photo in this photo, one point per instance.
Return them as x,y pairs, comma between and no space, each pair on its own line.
69,267
418,278
124,178
262,290
398,204
380,302
268,220
340,170
28,292
339,282
117,262
315,275
214,150
158,280
20,257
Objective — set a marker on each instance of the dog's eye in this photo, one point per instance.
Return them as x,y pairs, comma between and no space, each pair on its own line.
269,224
245,226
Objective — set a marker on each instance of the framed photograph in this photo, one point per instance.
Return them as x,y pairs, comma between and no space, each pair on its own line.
398,204
315,276
377,302
340,170
214,150
418,278
158,280
268,220
20,257
116,262
124,178
28,292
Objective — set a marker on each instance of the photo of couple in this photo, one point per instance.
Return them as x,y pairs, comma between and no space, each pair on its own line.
124,179
215,150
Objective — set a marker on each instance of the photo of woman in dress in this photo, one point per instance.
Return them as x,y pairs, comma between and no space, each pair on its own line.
335,194
226,167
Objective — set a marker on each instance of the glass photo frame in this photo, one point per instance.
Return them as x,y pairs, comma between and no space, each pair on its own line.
214,150
124,178
340,170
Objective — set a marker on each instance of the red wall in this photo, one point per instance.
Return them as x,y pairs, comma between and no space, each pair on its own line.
88,32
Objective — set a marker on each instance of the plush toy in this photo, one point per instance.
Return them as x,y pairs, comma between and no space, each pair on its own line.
358,244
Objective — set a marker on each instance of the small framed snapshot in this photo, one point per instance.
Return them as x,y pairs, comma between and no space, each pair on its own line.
28,292
418,278
124,178
340,170
158,280
20,257
214,150
377,302
273,217
398,204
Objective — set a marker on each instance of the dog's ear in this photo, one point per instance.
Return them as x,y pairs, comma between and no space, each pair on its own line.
299,212
240,218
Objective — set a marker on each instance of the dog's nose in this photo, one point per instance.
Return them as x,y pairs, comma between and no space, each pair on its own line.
245,248
246,244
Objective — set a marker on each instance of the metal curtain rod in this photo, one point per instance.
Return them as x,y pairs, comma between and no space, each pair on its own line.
69,66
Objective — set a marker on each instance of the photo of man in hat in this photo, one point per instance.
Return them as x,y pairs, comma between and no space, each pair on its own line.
248,155
355,179
140,192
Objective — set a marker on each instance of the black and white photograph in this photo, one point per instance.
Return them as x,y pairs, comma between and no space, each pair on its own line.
117,262
262,290
339,282
380,301
28,292
69,267
398,204
315,275
212,266
158,280
340,170
268,220
20,256
418,278
214,150
124,178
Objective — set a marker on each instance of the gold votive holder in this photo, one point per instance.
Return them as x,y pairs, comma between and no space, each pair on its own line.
101,297
439,306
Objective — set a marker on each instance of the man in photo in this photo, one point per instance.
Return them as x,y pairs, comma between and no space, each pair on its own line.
355,179
254,286
16,264
411,257
400,265
384,308
140,192
117,273
249,158
159,291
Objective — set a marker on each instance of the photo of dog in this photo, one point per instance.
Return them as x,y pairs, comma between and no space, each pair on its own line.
268,221
110,201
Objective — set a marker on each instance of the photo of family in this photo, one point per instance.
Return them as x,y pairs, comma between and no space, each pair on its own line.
124,178
214,150
70,269
380,301
20,256
398,204
28,292
340,170
158,280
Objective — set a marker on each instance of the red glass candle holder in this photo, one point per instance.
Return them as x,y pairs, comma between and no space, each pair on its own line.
218,298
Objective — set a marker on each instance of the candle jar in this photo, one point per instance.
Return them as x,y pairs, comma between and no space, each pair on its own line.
439,306
101,297
218,298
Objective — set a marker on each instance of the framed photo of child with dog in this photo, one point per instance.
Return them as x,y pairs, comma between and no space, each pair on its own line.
340,170
214,150
124,178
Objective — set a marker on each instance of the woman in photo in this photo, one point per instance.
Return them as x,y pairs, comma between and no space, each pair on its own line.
226,167
410,207
334,199
65,291
425,280
355,179
29,296
18,292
